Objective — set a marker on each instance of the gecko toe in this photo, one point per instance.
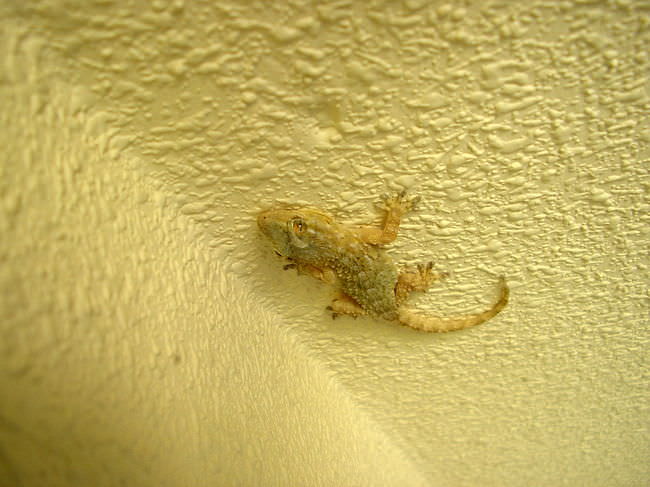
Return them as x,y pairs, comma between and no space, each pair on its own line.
334,313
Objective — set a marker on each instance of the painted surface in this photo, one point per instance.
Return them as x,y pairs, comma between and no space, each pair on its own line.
129,355
142,142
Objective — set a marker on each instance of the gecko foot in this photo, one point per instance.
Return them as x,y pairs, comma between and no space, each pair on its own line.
334,313
345,305
427,275
399,204
416,279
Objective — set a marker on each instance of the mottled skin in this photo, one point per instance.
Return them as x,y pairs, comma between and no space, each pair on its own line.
351,257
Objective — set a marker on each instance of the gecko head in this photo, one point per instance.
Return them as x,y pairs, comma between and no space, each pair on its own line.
291,230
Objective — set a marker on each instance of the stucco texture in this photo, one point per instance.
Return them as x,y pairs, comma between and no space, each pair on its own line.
148,334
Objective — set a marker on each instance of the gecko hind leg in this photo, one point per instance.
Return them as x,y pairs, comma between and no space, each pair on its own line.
418,279
396,207
345,305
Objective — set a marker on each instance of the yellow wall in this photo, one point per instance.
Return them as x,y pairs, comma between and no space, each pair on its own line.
149,337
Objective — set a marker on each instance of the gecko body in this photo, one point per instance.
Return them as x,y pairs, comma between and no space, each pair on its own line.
351,258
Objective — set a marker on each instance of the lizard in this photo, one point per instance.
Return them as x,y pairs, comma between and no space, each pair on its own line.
352,258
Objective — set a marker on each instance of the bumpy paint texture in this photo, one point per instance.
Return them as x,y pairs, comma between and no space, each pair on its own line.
146,335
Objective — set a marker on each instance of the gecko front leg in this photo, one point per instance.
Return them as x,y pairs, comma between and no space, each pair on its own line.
345,305
324,274
396,207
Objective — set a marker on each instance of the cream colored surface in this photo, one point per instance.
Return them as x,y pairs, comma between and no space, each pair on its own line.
130,355
149,336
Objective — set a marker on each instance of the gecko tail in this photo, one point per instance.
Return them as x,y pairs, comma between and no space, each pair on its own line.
440,324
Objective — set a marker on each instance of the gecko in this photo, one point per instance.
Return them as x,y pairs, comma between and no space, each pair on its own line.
352,258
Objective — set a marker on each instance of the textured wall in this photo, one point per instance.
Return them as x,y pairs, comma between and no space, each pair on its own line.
129,355
522,125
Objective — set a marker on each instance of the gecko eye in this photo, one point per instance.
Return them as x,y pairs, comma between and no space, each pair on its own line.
296,228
